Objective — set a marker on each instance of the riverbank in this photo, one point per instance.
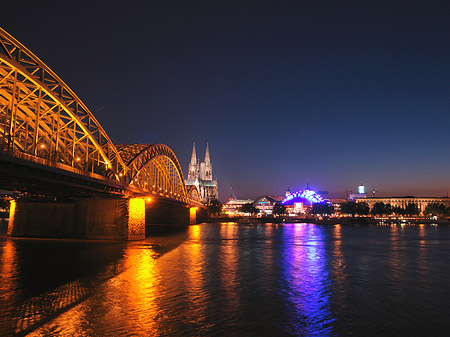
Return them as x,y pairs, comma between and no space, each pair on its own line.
332,221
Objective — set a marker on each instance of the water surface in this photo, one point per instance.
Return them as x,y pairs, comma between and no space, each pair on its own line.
229,279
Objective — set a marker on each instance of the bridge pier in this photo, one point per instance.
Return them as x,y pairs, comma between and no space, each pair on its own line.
93,218
193,215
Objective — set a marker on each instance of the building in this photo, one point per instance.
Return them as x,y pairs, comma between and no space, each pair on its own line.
265,203
200,175
360,195
233,206
300,202
402,202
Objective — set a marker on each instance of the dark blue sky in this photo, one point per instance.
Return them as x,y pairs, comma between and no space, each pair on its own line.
336,91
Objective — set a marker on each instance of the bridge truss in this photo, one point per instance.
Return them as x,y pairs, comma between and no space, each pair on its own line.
43,121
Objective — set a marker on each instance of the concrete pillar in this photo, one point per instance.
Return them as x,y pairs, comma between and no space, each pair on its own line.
94,218
136,219
193,215
12,213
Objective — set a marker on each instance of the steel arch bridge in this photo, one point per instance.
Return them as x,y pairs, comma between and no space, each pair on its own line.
43,121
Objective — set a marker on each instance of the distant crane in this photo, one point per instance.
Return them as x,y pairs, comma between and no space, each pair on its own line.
232,195
373,192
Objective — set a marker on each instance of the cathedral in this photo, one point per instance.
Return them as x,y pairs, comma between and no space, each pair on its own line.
200,175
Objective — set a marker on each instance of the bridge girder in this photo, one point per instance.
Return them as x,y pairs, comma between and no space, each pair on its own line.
155,167
41,117
193,193
43,121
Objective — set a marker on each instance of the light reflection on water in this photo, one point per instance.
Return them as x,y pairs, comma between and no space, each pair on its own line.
306,275
229,279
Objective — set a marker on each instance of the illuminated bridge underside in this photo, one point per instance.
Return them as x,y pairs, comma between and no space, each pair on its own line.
44,122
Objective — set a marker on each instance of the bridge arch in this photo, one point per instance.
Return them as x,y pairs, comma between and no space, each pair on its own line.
154,167
42,120
193,194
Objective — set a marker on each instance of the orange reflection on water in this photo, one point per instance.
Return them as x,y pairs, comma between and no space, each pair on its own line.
422,234
144,289
132,295
268,252
8,272
229,264
338,256
195,268
422,260
394,257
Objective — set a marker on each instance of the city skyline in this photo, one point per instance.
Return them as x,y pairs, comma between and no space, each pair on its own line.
282,92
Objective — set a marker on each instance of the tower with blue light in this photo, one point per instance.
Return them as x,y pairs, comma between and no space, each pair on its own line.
360,195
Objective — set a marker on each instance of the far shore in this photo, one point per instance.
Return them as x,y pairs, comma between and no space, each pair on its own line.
333,221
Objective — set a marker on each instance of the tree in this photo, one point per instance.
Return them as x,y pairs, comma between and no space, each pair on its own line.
348,207
379,208
412,209
362,208
398,210
388,209
249,208
435,209
322,208
214,206
279,209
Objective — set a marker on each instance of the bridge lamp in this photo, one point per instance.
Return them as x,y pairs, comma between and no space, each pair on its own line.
78,158
42,146
149,199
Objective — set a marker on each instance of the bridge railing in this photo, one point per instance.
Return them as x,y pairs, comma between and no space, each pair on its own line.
47,162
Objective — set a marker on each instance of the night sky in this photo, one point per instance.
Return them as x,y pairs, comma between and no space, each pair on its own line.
335,91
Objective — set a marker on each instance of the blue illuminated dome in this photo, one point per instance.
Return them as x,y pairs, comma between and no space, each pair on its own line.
304,196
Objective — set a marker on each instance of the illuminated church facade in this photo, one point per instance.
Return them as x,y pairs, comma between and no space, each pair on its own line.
200,175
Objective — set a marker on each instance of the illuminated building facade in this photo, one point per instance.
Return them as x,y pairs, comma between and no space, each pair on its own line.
200,175
301,201
265,204
402,202
233,206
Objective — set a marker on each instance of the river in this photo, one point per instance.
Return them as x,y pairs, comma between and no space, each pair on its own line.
228,279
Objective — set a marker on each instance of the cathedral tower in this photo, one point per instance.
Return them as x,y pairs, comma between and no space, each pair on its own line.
208,165
200,175
193,166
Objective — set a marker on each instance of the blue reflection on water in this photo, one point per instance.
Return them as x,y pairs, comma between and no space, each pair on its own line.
305,280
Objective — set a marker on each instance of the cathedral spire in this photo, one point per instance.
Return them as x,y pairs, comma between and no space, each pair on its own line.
193,166
194,156
207,159
200,175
